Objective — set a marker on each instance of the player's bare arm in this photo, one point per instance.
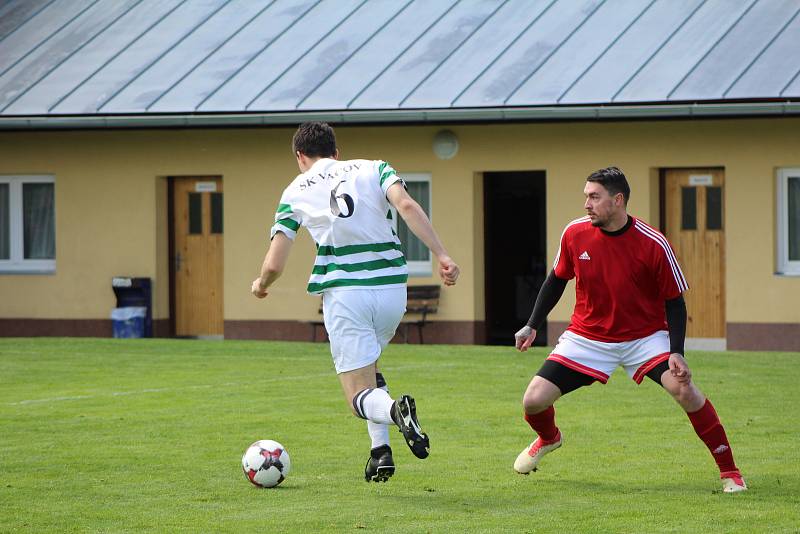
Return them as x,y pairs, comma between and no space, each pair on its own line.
273,266
421,226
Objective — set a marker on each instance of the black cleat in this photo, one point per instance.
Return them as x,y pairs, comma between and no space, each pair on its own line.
404,413
380,466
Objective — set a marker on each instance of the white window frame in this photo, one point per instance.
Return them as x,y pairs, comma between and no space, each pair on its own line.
418,268
785,266
16,262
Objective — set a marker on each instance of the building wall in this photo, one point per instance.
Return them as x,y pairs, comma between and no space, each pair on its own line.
111,207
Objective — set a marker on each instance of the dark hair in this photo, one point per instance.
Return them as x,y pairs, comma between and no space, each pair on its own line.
613,180
314,139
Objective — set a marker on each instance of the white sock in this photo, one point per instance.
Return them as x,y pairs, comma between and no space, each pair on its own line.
374,405
378,432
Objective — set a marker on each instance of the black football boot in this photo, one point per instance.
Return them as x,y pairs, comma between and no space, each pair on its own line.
380,465
404,413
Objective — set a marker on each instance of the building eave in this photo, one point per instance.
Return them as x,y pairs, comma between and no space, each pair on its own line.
400,116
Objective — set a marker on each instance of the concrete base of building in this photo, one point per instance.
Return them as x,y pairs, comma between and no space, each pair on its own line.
55,328
741,336
434,332
764,336
451,332
69,328
714,344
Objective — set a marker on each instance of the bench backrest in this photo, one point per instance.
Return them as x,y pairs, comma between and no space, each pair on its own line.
423,299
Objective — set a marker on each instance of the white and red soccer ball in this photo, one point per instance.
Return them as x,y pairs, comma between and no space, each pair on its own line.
266,463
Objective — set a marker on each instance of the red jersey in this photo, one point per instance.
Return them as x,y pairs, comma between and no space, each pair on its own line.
621,279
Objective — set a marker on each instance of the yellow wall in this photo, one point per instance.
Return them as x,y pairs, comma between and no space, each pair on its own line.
111,203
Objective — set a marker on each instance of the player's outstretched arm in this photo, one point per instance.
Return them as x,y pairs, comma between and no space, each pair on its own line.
549,295
274,264
418,222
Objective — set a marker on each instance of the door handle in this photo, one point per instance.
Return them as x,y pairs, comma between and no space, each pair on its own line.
178,261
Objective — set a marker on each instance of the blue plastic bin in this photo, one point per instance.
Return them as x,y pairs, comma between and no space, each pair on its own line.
135,292
128,322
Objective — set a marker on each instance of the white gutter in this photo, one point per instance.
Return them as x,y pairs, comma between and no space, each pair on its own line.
551,113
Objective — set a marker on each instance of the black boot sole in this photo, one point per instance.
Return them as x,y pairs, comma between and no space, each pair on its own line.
383,475
417,442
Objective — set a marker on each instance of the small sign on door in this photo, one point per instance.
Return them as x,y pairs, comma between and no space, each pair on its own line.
700,179
209,187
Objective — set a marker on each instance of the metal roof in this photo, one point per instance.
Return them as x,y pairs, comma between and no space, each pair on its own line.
167,62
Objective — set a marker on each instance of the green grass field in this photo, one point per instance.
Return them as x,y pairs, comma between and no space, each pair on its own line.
147,435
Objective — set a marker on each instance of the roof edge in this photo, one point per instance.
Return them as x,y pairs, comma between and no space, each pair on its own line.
449,115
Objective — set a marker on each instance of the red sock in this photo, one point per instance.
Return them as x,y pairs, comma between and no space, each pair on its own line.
709,428
544,423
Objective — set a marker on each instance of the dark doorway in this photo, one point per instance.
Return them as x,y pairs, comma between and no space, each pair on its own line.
515,243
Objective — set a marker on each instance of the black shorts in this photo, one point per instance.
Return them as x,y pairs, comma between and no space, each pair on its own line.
567,379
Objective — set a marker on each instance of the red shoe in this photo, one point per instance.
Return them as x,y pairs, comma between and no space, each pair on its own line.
529,459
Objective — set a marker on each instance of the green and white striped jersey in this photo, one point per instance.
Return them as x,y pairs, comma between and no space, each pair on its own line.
344,207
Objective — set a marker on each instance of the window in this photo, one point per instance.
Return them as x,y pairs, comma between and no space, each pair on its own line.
216,213
688,208
789,221
195,213
713,208
417,254
27,224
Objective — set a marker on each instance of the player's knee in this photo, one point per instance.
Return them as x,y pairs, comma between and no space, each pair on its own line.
534,401
352,406
687,395
693,396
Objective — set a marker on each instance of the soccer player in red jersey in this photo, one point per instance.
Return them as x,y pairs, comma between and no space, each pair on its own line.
629,311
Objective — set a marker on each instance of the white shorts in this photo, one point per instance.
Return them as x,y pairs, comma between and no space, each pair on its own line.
598,359
360,323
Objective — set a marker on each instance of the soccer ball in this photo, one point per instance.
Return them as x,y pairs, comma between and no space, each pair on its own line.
266,463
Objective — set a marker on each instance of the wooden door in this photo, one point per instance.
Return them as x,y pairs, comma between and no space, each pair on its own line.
197,256
694,219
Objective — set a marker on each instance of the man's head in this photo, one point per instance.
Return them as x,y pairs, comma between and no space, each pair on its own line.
607,193
312,141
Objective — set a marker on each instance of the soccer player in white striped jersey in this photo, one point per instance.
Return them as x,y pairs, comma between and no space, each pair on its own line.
629,312
361,273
